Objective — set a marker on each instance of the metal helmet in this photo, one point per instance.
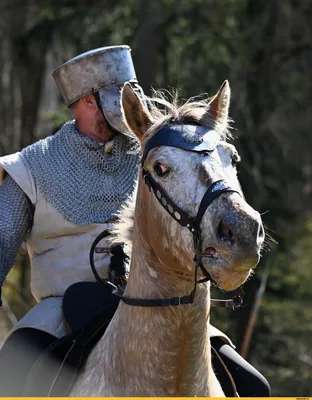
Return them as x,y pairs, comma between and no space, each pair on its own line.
102,70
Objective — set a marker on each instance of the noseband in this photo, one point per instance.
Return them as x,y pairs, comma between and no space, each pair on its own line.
206,140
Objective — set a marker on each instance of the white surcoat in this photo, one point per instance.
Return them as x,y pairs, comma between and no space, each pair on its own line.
58,252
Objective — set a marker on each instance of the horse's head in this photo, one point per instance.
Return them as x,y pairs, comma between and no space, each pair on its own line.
231,230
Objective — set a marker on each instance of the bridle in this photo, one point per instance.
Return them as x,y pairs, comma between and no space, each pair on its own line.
174,136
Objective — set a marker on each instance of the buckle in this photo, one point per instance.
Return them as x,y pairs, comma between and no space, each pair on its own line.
237,301
176,301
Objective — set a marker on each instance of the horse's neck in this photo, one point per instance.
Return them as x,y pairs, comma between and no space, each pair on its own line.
153,351
169,345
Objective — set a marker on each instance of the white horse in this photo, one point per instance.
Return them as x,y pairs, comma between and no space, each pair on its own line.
165,350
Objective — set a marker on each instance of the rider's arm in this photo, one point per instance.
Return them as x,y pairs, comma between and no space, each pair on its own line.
15,222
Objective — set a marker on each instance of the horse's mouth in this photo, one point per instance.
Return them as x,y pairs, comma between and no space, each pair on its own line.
240,262
222,272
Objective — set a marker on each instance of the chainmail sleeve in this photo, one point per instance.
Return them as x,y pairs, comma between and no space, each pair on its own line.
15,221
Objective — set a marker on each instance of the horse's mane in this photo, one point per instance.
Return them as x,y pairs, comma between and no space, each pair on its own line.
164,112
122,231
193,111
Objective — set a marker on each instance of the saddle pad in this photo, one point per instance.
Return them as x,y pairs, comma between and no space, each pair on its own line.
83,300
88,308
57,368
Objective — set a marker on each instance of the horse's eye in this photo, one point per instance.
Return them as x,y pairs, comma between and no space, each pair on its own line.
235,159
160,169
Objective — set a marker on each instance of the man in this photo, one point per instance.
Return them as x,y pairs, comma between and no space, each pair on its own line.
60,193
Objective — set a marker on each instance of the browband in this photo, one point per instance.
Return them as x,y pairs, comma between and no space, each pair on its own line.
196,138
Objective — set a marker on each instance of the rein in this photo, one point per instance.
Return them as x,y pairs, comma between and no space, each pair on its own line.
173,136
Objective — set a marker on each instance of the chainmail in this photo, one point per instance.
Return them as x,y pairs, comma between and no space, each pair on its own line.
15,221
73,172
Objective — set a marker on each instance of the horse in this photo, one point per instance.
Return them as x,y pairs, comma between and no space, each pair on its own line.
192,225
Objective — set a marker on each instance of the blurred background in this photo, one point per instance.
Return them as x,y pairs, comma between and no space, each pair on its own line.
264,49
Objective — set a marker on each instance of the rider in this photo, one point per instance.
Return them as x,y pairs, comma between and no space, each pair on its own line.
60,193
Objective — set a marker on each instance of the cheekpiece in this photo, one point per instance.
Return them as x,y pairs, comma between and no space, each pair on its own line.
93,71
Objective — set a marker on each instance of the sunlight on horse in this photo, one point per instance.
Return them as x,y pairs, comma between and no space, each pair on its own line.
165,351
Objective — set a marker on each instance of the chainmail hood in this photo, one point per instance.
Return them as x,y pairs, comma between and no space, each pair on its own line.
73,172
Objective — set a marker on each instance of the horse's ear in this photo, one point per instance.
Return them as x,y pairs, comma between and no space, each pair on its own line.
136,114
220,103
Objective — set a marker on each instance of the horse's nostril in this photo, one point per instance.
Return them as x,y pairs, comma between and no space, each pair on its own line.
261,231
224,233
